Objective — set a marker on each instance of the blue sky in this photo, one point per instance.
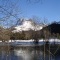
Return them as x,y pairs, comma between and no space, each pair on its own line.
49,9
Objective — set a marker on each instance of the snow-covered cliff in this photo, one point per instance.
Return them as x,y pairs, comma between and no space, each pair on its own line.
27,25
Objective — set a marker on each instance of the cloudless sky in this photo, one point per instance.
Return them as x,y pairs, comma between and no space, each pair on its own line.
49,9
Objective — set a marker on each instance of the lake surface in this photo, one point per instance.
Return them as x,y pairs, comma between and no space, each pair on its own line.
35,52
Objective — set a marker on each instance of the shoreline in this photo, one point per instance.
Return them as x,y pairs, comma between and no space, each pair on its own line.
32,40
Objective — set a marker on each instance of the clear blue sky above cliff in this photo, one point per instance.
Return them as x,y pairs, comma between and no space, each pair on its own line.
49,9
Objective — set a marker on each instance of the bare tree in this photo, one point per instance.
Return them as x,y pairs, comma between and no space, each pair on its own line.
4,34
8,17
9,12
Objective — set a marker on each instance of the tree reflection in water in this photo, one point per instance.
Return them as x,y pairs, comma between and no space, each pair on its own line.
28,53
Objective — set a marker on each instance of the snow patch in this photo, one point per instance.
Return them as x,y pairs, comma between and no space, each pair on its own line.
27,25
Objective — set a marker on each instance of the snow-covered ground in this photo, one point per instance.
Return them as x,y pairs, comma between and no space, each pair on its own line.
54,40
29,42
32,40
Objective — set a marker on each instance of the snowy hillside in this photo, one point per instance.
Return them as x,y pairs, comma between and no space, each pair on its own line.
27,25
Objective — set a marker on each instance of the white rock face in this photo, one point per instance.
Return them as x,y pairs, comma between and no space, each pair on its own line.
27,25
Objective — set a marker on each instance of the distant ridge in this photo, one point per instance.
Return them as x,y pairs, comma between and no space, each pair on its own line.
27,25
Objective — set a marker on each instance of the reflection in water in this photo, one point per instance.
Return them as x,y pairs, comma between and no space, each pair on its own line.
28,53
24,54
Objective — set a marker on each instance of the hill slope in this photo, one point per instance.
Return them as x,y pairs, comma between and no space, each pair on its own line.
27,25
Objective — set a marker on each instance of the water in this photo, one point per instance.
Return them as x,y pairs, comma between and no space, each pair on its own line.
35,52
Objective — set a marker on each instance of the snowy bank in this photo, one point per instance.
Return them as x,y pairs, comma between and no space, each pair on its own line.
32,40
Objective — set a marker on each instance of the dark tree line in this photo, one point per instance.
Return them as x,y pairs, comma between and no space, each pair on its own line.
50,31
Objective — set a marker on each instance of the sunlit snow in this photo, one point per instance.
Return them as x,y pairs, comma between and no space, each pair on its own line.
27,25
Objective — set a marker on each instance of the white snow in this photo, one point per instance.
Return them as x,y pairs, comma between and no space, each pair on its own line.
32,40
0,41
27,25
54,40
23,40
